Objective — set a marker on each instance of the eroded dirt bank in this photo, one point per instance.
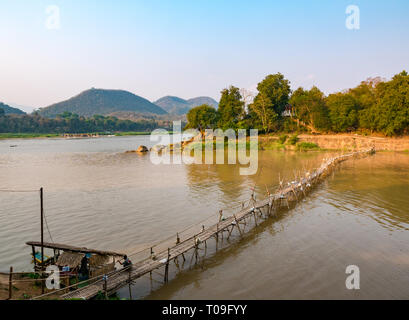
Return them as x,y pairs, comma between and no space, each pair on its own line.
355,142
350,141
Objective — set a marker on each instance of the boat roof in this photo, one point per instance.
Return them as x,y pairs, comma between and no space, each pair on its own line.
66,247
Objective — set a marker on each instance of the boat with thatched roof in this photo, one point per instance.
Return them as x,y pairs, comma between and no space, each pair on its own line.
70,258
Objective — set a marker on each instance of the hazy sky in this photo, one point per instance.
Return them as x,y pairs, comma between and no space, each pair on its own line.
193,48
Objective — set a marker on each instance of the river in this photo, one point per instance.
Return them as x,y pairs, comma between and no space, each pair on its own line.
98,196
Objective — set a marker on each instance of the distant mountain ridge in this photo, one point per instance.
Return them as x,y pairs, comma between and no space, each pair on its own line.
102,102
178,106
24,108
10,110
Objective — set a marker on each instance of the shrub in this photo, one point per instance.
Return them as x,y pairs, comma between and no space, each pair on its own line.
293,140
304,146
34,275
282,138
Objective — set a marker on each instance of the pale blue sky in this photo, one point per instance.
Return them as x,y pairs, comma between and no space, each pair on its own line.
194,48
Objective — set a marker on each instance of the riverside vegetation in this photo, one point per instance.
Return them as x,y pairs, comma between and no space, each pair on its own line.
375,107
36,125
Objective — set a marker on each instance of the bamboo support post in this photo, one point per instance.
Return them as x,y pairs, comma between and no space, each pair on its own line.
167,267
237,223
11,283
255,218
129,285
106,286
230,231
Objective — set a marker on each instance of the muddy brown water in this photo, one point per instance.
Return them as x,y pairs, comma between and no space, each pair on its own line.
99,197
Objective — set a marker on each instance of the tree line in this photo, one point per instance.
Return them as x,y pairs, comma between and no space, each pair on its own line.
70,123
374,106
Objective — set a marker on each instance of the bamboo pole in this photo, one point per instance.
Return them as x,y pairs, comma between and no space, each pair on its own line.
167,267
130,290
106,286
237,223
42,238
11,283
255,218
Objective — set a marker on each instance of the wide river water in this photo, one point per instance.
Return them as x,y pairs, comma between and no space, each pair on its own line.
99,197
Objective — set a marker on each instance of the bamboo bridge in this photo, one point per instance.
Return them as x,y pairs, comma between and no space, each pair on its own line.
257,210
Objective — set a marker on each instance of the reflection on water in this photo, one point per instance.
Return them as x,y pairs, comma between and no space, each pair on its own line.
97,196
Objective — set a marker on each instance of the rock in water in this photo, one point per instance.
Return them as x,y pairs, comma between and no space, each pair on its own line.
142,149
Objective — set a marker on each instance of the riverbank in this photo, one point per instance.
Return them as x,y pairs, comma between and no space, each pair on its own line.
293,142
336,142
4,136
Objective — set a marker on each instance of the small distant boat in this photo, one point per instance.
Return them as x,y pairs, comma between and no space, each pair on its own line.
13,146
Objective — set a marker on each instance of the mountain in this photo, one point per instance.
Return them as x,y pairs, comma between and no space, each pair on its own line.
102,102
26,109
194,102
10,110
173,105
179,106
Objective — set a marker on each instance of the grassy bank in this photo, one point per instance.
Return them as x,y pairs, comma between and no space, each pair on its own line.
286,142
131,133
28,135
279,143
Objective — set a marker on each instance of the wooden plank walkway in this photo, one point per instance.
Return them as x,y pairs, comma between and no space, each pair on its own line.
292,192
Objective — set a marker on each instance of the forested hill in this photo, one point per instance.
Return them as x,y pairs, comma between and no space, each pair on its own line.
102,102
179,106
10,110
198,101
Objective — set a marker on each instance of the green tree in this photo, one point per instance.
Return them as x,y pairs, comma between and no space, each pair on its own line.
231,108
277,89
365,96
343,111
202,117
393,105
310,108
2,112
273,95
262,111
